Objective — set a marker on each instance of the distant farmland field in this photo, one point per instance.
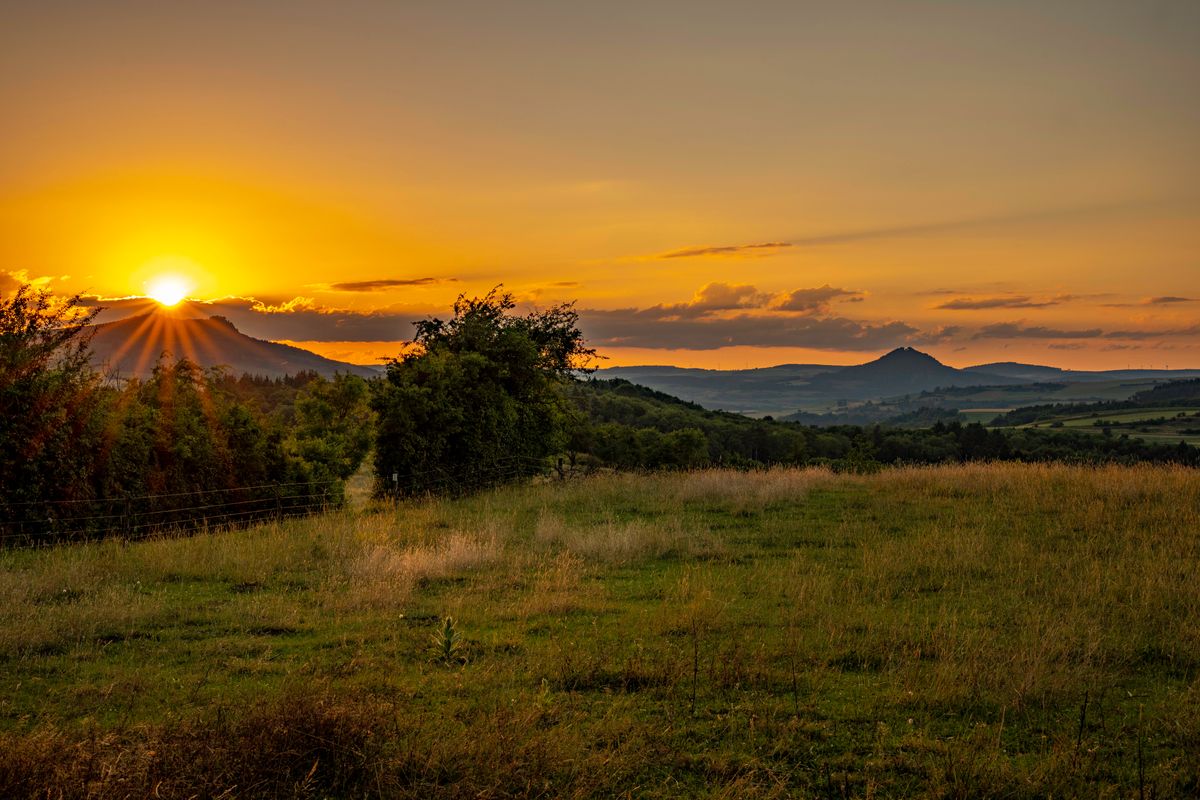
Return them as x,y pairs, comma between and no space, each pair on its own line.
969,631
1166,425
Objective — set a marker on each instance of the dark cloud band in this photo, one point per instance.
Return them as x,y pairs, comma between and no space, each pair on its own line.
764,248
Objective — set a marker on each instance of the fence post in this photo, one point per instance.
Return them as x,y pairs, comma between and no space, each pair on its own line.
127,518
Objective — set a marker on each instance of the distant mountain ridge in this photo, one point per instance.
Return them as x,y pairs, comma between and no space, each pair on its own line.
132,346
1036,372
901,372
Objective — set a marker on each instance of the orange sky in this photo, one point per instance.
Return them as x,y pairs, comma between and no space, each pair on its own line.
715,184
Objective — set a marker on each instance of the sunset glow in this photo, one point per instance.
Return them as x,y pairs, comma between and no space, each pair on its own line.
983,181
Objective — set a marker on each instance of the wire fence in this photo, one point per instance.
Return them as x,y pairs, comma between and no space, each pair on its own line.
34,523
40,523
472,477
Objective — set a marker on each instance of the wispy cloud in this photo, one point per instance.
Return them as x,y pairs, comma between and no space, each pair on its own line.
1163,300
1004,301
990,222
385,283
765,248
984,223
1160,333
1015,330
1018,330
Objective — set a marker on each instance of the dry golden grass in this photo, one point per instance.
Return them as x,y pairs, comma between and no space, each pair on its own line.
612,541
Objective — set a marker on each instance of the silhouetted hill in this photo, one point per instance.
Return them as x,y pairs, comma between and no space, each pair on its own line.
902,371
132,347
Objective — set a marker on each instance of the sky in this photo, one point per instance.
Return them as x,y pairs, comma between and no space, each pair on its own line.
725,185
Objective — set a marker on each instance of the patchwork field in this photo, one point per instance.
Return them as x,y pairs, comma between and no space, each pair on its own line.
976,631
1168,425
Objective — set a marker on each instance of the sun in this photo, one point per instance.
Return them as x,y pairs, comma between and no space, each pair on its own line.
168,290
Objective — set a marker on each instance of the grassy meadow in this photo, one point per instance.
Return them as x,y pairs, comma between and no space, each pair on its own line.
970,631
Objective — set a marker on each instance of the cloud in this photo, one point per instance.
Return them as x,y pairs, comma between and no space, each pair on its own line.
10,280
724,314
291,306
709,299
940,335
1007,301
715,298
301,319
1163,300
384,284
634,328
764,248
992,222
1191,330
1015,330
977,224
809,301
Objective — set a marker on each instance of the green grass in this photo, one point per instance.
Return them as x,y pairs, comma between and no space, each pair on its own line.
975,631
982,415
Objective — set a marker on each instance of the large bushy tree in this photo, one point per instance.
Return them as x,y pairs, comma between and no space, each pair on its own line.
478,398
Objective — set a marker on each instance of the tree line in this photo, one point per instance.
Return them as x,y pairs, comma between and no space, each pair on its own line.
630,426
82,454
